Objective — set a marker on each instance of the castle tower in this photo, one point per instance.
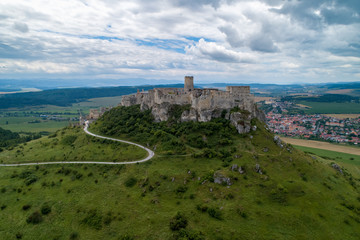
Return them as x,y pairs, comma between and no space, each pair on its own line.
189,83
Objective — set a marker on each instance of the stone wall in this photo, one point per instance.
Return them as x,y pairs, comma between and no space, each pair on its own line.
205,104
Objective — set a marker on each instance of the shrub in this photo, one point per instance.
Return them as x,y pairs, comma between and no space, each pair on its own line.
126,237
214,213
45,209
35,218
181,189
130,182
74,235
178,222
26,207
93,220
69,140
30,180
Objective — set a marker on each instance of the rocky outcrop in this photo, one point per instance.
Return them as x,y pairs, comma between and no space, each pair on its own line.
235,104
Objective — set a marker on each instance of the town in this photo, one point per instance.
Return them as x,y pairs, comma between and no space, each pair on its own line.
314,127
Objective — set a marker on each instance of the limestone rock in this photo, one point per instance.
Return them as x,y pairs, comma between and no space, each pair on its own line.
258,169
220,179
337,167
278,141
241,122
234,167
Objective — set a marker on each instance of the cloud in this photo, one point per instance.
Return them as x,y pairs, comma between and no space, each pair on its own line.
239,39
21,27
218,53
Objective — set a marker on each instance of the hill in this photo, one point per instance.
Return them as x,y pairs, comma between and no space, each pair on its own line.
205,182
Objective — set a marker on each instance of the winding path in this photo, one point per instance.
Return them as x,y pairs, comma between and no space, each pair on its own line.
150,154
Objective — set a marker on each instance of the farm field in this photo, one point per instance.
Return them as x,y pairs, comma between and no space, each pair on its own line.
28,119
350,161
331,108
343,116
322,145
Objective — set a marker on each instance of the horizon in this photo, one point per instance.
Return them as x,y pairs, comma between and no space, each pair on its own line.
216,41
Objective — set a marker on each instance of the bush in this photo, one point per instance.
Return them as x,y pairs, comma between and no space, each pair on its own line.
69,140
74,235
93,220
26,207
214,213
35,218
181,189
45,209
130,182
178,222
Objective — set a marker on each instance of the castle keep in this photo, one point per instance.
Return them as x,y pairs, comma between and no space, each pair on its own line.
204,104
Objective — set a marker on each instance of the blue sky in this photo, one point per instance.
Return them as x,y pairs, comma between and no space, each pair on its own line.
265,41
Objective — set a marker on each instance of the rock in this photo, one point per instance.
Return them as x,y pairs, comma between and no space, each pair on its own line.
265,149
220,179
241,122
189,172
172,179
199,178
238,156
337,167
254,128
278,141
210,189
234,167
258,169
241,170
203,182
251,137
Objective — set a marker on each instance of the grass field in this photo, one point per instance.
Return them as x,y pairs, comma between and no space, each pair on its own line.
141,201
350,161
322,145
343,116
331,108
72,144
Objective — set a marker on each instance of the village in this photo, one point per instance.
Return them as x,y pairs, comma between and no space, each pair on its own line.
315,127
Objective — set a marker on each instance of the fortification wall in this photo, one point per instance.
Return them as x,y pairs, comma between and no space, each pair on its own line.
205,103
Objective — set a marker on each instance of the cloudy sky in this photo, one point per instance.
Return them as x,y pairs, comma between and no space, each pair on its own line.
267,41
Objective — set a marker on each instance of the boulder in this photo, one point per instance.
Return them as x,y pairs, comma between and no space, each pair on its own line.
337,167
258,169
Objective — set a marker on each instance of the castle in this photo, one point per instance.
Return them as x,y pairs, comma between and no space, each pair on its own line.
204,104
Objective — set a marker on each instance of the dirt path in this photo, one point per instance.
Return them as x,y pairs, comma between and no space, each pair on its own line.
322,145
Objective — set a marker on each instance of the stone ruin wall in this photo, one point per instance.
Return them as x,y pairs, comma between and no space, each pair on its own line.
205,104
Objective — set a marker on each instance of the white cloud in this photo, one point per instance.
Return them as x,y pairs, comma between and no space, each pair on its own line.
265,40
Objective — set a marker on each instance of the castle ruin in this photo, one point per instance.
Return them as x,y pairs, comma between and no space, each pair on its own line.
235,104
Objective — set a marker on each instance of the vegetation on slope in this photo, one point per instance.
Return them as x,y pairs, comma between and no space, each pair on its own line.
72,144
10,139
196,193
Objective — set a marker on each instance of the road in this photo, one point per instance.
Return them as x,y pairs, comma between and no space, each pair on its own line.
150,154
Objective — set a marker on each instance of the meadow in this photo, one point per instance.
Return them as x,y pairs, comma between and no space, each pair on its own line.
331,107
193,192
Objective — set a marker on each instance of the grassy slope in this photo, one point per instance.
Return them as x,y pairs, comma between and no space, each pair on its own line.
349,161
72,144
287,202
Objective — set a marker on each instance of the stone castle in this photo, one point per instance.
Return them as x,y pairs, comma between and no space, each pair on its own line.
235,104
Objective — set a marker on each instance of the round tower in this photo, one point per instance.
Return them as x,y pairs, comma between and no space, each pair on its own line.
189,83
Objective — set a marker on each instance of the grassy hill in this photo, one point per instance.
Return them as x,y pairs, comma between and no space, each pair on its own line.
192,189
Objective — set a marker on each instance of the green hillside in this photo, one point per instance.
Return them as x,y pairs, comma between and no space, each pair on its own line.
191,189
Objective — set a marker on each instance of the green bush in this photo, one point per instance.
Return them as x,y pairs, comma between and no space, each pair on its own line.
214,213
35,218
93,220
45,209
130,182
178,222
